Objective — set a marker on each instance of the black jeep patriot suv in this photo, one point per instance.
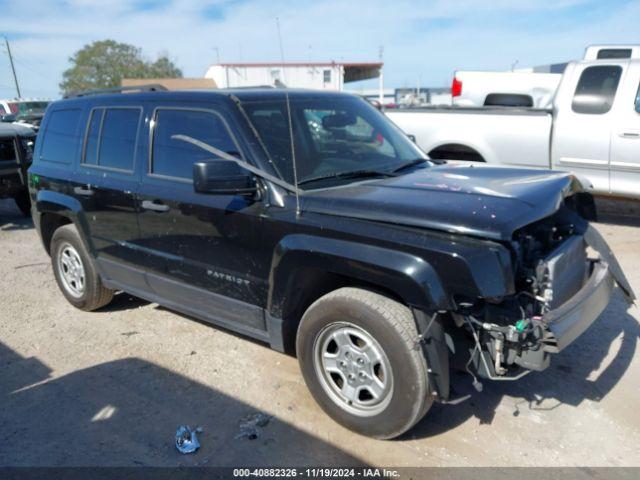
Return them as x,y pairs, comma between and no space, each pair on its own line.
16,150
309,221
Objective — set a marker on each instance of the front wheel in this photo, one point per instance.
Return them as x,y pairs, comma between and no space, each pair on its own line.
357,352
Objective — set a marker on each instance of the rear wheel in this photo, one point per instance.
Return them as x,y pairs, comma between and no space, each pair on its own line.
23,202
75,271
357,353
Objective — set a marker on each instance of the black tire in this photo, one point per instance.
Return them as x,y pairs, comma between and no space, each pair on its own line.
93,295
23,202
392,326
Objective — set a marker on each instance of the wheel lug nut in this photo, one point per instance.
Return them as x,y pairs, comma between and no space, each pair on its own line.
347,354
343,364
360,360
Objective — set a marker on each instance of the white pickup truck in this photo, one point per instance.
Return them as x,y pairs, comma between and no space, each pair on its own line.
517,89
593,128
533,87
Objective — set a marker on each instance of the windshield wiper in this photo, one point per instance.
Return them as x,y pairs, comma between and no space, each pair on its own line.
417,161
354,174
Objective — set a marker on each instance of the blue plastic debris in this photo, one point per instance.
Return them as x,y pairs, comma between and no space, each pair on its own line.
187,439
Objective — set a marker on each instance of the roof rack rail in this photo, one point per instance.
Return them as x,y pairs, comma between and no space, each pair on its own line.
152,87
249,87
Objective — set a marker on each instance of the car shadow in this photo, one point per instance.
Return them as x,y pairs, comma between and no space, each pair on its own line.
616,219
11,218
569,380
126,412
123,301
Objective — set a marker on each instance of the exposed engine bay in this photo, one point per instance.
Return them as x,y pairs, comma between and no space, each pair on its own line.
561,274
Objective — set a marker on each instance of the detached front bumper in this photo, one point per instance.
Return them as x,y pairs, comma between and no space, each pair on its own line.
562,325
575,288
572,318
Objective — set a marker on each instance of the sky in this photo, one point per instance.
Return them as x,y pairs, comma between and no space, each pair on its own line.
423,41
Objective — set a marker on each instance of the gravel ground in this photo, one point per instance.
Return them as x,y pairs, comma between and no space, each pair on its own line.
110,388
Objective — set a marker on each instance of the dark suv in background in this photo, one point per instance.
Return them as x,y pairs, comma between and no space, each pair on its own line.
16,152
309,221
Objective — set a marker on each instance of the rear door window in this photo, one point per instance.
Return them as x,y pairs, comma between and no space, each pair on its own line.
596,89
175,158
61,137
638,100
111,138
118,138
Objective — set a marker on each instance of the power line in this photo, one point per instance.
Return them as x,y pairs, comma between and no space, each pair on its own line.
31,69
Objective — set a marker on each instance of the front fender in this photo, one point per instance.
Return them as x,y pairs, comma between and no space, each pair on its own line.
410,277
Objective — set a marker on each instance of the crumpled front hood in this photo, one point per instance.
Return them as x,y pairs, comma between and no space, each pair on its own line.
478,200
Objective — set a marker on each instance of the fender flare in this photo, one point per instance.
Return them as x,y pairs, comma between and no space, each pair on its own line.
58,203
48,201
409,276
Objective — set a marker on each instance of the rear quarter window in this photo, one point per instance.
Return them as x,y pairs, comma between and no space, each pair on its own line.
596,89
61,137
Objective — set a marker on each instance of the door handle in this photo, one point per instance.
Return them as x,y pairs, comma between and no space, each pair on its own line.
156,207
630,134
85,192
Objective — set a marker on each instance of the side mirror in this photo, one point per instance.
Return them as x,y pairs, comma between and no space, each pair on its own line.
8,117
223,177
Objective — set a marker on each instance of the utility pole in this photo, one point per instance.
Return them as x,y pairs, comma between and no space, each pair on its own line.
13,68
381,78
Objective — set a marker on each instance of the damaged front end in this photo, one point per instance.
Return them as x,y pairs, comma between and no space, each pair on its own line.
564,278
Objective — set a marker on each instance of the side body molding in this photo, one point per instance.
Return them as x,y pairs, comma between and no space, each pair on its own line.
410,276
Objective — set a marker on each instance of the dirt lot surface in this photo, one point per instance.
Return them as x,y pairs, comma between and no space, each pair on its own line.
111,387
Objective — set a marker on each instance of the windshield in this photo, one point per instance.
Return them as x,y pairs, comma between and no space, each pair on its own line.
332,137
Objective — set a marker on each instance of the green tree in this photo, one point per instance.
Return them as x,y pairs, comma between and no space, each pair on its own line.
105,63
